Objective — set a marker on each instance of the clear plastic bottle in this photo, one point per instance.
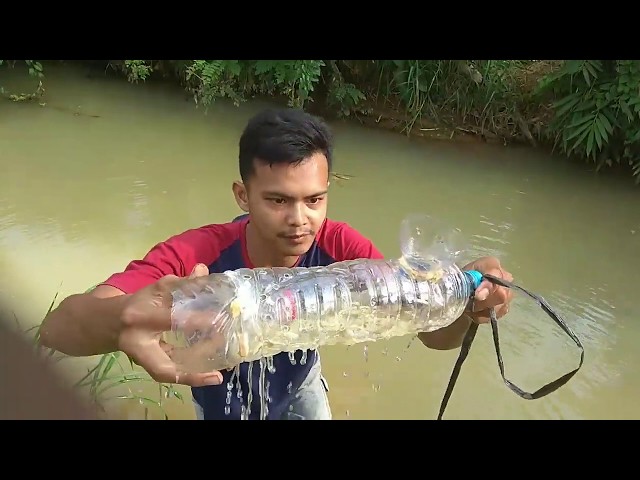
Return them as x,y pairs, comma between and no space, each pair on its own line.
248,314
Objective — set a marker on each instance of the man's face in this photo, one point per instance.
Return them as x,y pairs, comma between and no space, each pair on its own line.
287,203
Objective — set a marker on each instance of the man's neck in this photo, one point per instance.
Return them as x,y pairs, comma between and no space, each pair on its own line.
264,257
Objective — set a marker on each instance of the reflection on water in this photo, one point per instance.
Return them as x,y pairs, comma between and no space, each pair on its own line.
80,197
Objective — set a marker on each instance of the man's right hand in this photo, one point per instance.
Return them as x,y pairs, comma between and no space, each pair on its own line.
146,315
106,320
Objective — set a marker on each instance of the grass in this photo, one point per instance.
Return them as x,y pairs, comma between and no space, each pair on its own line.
103,383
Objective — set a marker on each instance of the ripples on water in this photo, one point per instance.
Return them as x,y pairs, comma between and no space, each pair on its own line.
138,215
76,221
535,350
491,238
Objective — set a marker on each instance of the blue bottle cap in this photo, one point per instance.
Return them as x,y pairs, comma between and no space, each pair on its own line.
475,277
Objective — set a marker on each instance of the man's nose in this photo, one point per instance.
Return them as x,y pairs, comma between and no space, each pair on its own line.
297,217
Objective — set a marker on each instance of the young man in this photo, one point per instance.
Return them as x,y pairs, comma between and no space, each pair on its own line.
285,159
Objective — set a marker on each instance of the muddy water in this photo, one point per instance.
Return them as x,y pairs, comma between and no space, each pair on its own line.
82,194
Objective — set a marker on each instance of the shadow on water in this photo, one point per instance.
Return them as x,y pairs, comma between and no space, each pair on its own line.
81,196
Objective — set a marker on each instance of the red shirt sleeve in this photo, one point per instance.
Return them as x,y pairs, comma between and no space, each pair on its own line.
344,242
175,256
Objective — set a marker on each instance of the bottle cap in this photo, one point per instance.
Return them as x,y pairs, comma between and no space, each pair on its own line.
475,277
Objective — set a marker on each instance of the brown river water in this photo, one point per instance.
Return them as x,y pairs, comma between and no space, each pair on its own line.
81,195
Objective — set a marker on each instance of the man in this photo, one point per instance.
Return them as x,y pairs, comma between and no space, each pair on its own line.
285,159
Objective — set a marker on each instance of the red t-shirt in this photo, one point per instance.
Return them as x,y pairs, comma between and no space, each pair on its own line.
223,247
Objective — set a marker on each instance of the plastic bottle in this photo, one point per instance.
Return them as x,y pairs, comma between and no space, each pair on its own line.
247,314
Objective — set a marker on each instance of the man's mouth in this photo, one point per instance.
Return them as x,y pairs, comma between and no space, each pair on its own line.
296,236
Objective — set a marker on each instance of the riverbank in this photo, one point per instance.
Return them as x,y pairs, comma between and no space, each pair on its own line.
539,103
357,101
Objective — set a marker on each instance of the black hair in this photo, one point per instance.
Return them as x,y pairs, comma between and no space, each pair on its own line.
286,135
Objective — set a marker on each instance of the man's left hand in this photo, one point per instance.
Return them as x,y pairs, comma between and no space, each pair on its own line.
489,295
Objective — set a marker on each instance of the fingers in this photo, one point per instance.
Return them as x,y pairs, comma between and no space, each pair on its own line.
154,359
487,288
483,315
489,295
161,293
200,379
148,316
502,310
193,380
200,270
166,347
497,296
188,287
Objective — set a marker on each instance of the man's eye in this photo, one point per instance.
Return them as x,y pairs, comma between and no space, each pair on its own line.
278,201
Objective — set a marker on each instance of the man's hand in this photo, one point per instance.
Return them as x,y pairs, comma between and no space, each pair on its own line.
146,316
489,295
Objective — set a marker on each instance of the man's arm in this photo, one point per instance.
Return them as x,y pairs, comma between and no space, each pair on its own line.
131,310
90,323
85,324
447,338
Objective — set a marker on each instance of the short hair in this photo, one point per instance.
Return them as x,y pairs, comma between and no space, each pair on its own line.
283,135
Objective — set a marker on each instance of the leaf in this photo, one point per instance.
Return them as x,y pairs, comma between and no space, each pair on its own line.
233,67
634,100
636,137
598,132
605,122
263,66
586,105
568,98
579,130
592,66
610,117
597,65
122,381
625,109
592,133
80,383
585,73
566,104
140,399
580,119
580,139
572,66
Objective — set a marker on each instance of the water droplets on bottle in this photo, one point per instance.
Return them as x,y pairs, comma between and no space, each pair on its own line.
349,302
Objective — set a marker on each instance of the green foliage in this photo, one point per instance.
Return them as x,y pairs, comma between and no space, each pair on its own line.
294,80
35,67
137,70
214,79
35,70
597,110
239,79
480,94
588,108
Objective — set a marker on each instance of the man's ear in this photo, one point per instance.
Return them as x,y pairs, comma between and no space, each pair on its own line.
240,192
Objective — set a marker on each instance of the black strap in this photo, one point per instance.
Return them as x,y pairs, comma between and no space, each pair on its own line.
471,333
